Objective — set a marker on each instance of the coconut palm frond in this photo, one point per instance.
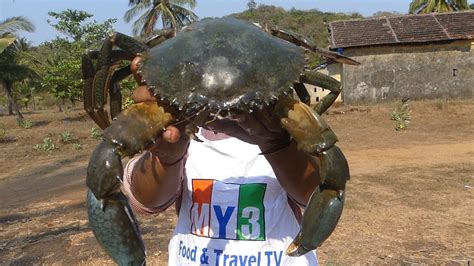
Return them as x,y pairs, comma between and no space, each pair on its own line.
429,6
17,72
171,13
5,42
190,3
134,11
187,16
15,24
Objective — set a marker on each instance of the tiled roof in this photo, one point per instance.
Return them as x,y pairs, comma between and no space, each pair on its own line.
403,29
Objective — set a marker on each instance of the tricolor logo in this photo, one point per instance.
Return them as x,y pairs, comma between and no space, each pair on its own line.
227,210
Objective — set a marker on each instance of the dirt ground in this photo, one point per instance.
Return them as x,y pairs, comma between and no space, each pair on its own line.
410,199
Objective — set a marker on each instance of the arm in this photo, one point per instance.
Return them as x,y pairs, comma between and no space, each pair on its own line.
153,179
297,172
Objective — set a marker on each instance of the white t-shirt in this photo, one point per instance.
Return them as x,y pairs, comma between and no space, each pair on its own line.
233,210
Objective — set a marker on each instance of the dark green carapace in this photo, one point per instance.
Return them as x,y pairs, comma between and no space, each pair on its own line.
226,64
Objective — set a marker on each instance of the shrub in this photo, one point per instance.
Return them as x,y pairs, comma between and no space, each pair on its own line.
401,115
67,137
46,146
25,123
96,133
77,146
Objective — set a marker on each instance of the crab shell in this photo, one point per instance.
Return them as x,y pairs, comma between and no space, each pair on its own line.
222,64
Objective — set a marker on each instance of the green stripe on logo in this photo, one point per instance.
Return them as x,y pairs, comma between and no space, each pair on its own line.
251,212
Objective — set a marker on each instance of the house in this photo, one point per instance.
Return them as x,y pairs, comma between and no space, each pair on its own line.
416,56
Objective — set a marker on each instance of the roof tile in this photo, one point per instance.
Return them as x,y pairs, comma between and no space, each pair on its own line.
403,29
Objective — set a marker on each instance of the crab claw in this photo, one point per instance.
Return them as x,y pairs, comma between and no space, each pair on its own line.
324,208
116,228
110,216
325,205
310,131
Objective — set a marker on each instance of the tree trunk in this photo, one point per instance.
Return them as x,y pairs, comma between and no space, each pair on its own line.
73,102
61,103
7,85
10,108
33,99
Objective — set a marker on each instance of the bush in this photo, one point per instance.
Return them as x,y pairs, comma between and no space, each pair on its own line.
46,146
67,137
77,146
401,115
96,133
25,123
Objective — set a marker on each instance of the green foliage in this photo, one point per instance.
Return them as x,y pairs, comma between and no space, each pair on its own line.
77,146
430,6
9,27
251,4
172,14
96,133
127,85
59,61
127,102
62,70
401,115
46,146
310,24
13,70
73,23
25,123
67,137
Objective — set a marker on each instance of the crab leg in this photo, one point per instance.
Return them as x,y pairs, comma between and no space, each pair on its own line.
324,208
110,216
302,92
300,41
326,82
98,80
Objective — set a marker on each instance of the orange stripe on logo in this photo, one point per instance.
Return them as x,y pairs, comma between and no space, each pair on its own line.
202,190
201,209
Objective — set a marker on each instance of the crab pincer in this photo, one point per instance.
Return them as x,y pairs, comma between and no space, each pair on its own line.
325,205
110,216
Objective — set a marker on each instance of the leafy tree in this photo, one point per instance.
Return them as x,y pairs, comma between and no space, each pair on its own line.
9,27
172,13
251,5
310,24
73,23
61,71
381,14
429,6
471,6
59,61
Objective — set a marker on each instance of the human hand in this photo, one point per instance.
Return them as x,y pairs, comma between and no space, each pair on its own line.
258,127
172,145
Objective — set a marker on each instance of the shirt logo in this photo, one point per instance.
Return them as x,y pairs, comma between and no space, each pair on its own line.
227,210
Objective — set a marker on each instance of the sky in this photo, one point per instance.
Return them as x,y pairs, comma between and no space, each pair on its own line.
37,10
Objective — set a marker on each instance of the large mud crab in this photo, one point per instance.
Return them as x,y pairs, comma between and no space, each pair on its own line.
210,69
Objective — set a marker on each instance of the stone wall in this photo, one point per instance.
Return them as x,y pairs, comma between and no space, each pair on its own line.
417,71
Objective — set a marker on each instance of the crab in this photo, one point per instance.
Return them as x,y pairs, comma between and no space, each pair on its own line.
208,70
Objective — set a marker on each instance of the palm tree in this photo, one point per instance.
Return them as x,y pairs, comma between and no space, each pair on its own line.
12,71
429,6
9,27
173,14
